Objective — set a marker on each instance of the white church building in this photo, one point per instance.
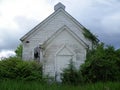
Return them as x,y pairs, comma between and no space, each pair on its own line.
55,41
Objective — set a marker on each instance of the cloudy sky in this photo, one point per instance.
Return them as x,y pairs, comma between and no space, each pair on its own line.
17,17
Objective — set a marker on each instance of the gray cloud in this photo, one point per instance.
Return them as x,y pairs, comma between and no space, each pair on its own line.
10,37
25,24
111,39
101,17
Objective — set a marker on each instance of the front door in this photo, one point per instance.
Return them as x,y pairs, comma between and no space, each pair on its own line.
62,62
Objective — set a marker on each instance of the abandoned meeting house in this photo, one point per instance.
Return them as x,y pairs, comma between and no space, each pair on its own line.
55,41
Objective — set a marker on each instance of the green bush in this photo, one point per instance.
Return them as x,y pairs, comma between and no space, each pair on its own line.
102,64
71,75
15,68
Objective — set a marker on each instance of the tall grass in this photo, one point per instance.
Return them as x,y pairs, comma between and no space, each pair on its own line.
24,85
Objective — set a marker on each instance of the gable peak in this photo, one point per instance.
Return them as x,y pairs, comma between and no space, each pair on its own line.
59,6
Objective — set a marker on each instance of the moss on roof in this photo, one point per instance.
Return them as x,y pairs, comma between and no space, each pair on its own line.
90,36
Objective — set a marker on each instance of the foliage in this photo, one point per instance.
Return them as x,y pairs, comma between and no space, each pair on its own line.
19,50
102,64
71,75
90,36
15,68
22,85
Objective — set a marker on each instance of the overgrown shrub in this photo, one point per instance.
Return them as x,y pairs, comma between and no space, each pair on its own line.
15,68
102,64
71,75
19,51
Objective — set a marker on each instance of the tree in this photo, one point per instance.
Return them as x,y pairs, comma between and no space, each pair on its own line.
19,50
71,75
14,68
101,65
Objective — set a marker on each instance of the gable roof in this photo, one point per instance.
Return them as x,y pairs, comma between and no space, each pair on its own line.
47,20
70,31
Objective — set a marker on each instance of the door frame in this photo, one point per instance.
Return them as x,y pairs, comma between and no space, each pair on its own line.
57,54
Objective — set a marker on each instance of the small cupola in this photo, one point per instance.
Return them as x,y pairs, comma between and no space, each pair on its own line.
59,6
